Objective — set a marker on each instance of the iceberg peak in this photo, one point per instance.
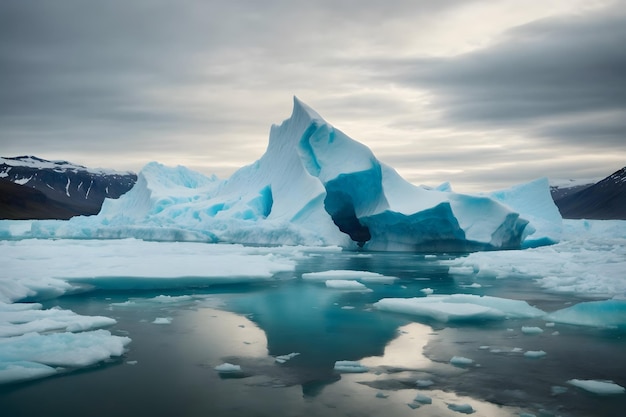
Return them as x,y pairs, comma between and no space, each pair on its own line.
317,186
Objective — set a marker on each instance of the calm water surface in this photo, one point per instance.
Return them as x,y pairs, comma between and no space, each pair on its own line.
169,368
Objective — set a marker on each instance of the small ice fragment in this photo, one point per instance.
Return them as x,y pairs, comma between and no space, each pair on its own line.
484,347
131,362
556,333
430,256
550,324
423,399
597,386
531,330
347,307
380,394
427,291
517,350
461,408
423,383
495,350
557,390
461,361
162,320
227,368
534,354
413,405
350,367
285,358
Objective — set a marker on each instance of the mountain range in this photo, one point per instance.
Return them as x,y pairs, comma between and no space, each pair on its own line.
603,200
35,188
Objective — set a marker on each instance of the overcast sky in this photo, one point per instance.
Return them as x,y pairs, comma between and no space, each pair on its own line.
484,94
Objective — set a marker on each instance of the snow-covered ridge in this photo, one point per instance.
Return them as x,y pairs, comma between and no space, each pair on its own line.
38,163
316,186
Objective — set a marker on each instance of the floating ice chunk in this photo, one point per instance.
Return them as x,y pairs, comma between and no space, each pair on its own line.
63,349
461,361
597,386
517,350
484,347
531,330
26,318
347,285
462,408
427,291
550,324
380,394
535,354
162,320
285,358
350,367
132,362
20,279
558,390
23,370
608,313
423,383
228,368
460,307
423,399
347,275
461,270
347,307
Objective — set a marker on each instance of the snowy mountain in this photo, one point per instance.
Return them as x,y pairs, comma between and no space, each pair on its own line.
604,200
66,189
316,186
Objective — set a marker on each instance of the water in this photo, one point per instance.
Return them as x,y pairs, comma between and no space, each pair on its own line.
169,368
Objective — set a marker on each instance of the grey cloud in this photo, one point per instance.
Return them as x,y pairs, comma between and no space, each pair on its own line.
555,67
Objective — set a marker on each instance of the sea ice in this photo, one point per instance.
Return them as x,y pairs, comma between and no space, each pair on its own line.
462,408
347,285
350,367
344,275
607,313
461,361
598,387
531,330
162,320
228,368
535,354
423,399
285,358
460,307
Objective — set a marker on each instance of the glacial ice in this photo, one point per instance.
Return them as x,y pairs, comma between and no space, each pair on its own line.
353,367
606,313
313,186
598,387
228,368
34,355
460,307
346,285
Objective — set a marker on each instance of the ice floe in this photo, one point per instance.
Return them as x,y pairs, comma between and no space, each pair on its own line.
598,387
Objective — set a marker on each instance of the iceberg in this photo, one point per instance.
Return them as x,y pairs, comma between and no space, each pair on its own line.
313,186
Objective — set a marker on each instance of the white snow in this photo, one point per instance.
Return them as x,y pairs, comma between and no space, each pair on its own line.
460,307
350,367
598,387
346,285
227,368
31,162
67,187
